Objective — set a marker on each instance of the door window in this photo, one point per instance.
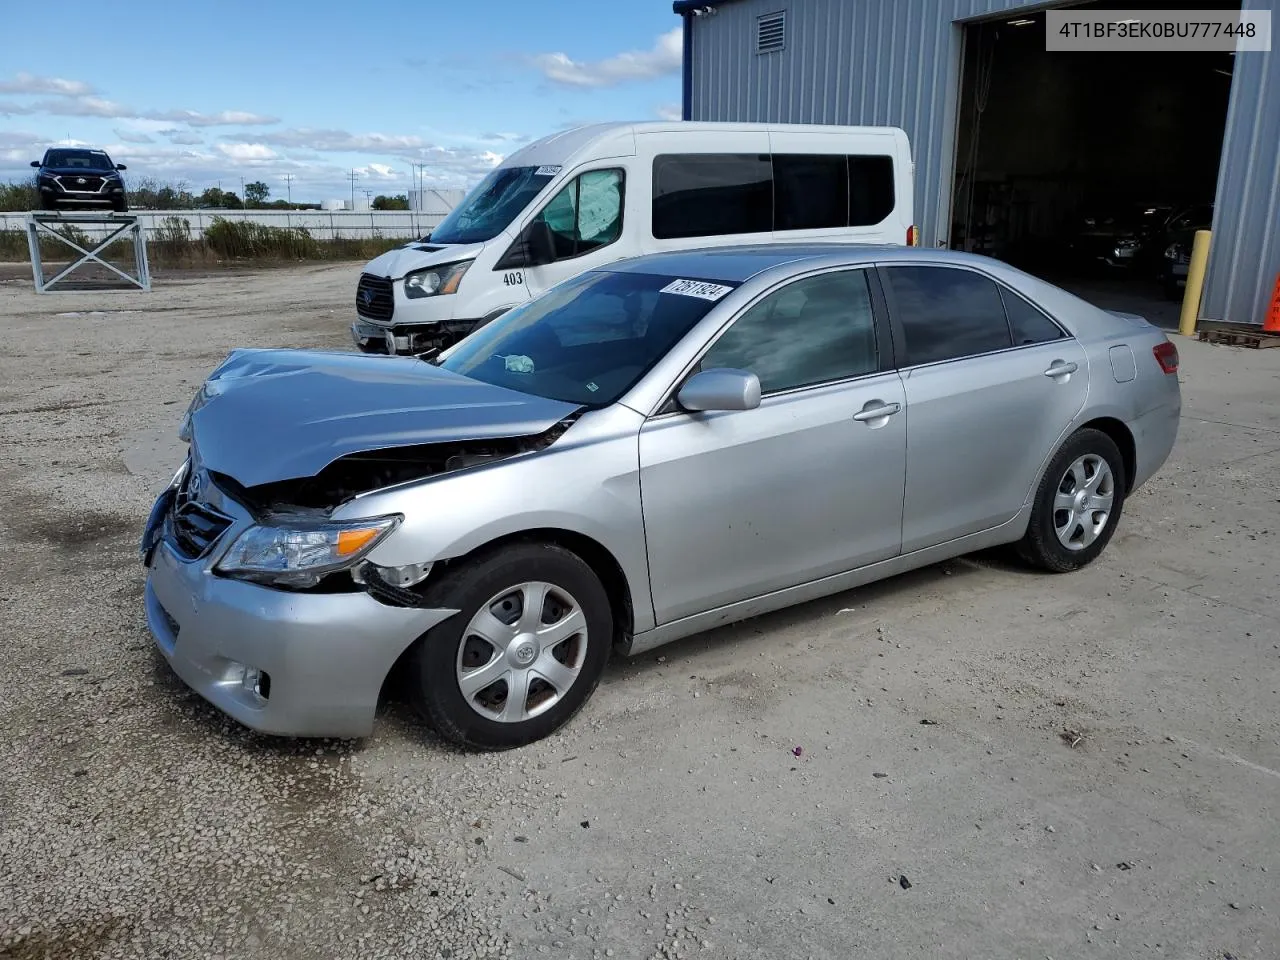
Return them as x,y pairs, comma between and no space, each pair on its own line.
815,330
946,313
585,215
1028,324
711,194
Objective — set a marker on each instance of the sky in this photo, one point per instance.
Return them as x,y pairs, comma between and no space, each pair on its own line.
210,93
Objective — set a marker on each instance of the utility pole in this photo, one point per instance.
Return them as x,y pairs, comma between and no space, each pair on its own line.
288,178
243,198
353,177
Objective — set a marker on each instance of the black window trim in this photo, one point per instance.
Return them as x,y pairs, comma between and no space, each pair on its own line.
900,337
502,264
886,349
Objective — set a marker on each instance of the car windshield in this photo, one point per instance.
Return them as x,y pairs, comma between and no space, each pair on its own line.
589,340
490,207
80,159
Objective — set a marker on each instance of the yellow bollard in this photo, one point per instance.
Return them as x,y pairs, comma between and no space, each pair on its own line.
1195,284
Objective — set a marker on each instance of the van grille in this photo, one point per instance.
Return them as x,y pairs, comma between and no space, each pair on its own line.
71,182
374,300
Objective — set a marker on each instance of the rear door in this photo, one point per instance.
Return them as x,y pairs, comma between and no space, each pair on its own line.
991,382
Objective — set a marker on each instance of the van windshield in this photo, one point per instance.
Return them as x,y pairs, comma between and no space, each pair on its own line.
84,159
588,340
489,208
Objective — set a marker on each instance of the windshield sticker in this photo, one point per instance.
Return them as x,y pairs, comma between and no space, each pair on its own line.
546,171
696,288
518,364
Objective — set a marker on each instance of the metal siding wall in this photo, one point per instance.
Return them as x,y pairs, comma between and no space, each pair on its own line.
1245,258
897,62
874,62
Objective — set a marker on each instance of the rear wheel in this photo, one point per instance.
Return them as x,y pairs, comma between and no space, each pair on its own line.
1077,505
524,653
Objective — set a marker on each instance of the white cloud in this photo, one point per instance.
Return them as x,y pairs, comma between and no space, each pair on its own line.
84,106
664,57
176,135
133,136
10,109
246,152
223,118
26,83
669,111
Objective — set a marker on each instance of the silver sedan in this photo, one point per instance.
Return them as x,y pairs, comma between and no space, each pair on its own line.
648,450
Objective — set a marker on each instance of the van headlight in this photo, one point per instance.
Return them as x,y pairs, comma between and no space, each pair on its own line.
435,281
298,555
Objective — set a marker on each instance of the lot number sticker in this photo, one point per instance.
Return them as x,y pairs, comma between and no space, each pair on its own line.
696,288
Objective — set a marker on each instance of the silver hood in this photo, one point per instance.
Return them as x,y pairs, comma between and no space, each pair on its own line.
269,415
394,264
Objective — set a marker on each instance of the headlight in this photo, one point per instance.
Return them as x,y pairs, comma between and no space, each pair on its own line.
435,281
1171,252
299,555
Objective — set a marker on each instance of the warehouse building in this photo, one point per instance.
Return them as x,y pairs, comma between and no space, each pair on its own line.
1024,154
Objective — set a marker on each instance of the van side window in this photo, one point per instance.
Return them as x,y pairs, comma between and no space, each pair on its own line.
711,194
871,196
586,214
810,191
707,195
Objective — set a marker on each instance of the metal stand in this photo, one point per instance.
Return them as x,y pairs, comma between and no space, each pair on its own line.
123,223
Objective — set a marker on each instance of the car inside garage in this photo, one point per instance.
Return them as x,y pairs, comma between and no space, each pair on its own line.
1092,169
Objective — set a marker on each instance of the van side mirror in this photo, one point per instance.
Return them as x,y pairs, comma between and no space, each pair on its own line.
720,389
35,163
534,247
121,166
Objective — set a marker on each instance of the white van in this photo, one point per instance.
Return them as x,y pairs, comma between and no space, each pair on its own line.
591,195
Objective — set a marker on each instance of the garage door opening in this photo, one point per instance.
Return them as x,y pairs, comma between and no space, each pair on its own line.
1086,168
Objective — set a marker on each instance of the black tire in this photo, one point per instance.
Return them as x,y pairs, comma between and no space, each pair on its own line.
433,676
1040,546
120,206
48,204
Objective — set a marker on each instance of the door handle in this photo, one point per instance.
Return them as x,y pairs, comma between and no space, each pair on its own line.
876,410
1061,368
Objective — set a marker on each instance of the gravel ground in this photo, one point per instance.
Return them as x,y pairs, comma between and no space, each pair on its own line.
966,761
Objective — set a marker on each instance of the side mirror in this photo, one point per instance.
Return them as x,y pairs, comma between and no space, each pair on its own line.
121,166
720,389
540,246
35,163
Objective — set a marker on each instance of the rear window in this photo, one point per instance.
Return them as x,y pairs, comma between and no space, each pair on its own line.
588,340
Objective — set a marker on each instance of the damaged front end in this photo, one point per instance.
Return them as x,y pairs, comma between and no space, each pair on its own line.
281,439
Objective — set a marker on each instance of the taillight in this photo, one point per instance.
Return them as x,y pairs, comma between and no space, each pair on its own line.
911,235
1167,356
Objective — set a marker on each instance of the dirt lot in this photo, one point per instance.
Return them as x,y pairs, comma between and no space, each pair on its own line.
990,763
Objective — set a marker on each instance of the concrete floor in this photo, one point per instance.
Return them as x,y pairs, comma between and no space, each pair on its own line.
1060,766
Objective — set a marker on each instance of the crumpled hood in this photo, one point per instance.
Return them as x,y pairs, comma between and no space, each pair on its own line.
268,415
396,263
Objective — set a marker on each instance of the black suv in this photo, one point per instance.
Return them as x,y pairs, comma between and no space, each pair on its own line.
72,178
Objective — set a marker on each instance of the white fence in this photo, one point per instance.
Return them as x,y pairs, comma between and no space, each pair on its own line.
321,224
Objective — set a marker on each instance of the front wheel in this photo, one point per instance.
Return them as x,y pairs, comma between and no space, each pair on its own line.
1077,505
524,653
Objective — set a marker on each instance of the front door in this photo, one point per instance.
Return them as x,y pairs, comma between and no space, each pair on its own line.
809,484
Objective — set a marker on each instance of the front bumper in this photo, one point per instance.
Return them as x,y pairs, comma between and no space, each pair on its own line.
326,655
370,337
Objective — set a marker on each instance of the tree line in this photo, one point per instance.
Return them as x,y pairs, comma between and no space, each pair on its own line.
149,193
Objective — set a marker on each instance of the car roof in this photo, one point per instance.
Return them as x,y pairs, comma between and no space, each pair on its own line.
739,263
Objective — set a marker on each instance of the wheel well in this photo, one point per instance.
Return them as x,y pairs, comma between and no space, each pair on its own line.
595,555
1123,439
